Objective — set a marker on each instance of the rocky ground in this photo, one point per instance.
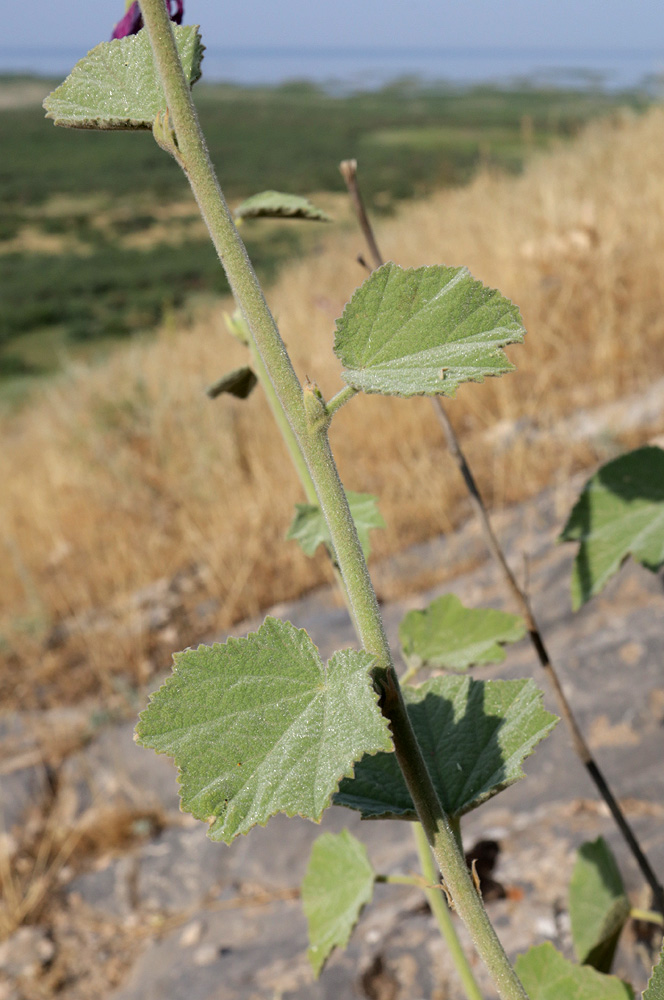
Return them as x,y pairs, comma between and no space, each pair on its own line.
110,892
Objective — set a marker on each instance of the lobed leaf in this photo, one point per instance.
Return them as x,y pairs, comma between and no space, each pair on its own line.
309,526
259,726
424,331
548,975
277,205
655,988
598,905
240,382
117,86
338,883
619,513
474,737
449,635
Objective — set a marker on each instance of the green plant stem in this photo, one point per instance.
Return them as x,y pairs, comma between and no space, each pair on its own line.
441,912
648,916
308,418
338,401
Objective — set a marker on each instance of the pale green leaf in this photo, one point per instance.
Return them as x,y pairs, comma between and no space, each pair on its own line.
117,86
338,884
449,635
277,205
619,513
655,989
309,527
548,975
424,331
598,906
259,726
474,737
240,382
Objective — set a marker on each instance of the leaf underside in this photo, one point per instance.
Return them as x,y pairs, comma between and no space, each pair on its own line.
655,989
598,906
448,635
259,726
474,737
309,526
548,975
117,85
619,513
338,884
277,205
240,382
424,331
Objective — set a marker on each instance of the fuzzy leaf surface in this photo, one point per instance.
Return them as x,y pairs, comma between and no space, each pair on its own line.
619,513
309,527
424,331
277,205
474,737
259,726
447,634
548,975
655,988
338,883
117,86
240,382
598,906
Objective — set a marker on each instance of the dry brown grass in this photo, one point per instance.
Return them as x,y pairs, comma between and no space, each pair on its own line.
126,473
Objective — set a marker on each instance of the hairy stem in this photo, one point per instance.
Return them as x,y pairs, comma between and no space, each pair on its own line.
308,418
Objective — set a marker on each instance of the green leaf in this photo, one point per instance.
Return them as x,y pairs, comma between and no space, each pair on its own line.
240,382
474,737
338,883
655,990
309,527
619,513
259,726
424,331
598,906
117,86
446,634
277,205
548,975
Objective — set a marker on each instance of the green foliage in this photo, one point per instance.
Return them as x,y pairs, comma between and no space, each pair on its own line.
655,989
277,205
338,883
240,383
547,975
424,331
619,513
259,726
598,905
117,86
474,737
309,527
448,635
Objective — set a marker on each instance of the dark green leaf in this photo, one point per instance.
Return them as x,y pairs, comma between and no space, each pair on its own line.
424,331
655,990
547,975
446,634
338,883
619,513
240,382
117,86
598,906
474,737
276,205
259,726
309,527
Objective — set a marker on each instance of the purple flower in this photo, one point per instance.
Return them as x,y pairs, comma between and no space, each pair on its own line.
132,22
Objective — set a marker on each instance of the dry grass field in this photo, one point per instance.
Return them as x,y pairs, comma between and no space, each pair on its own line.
126,474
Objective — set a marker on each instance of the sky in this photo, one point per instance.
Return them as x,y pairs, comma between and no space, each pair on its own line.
575,24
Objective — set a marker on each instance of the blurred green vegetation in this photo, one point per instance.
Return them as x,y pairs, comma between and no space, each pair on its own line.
96,237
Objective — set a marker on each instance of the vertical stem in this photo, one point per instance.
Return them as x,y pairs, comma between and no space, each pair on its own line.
307,416
441,912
